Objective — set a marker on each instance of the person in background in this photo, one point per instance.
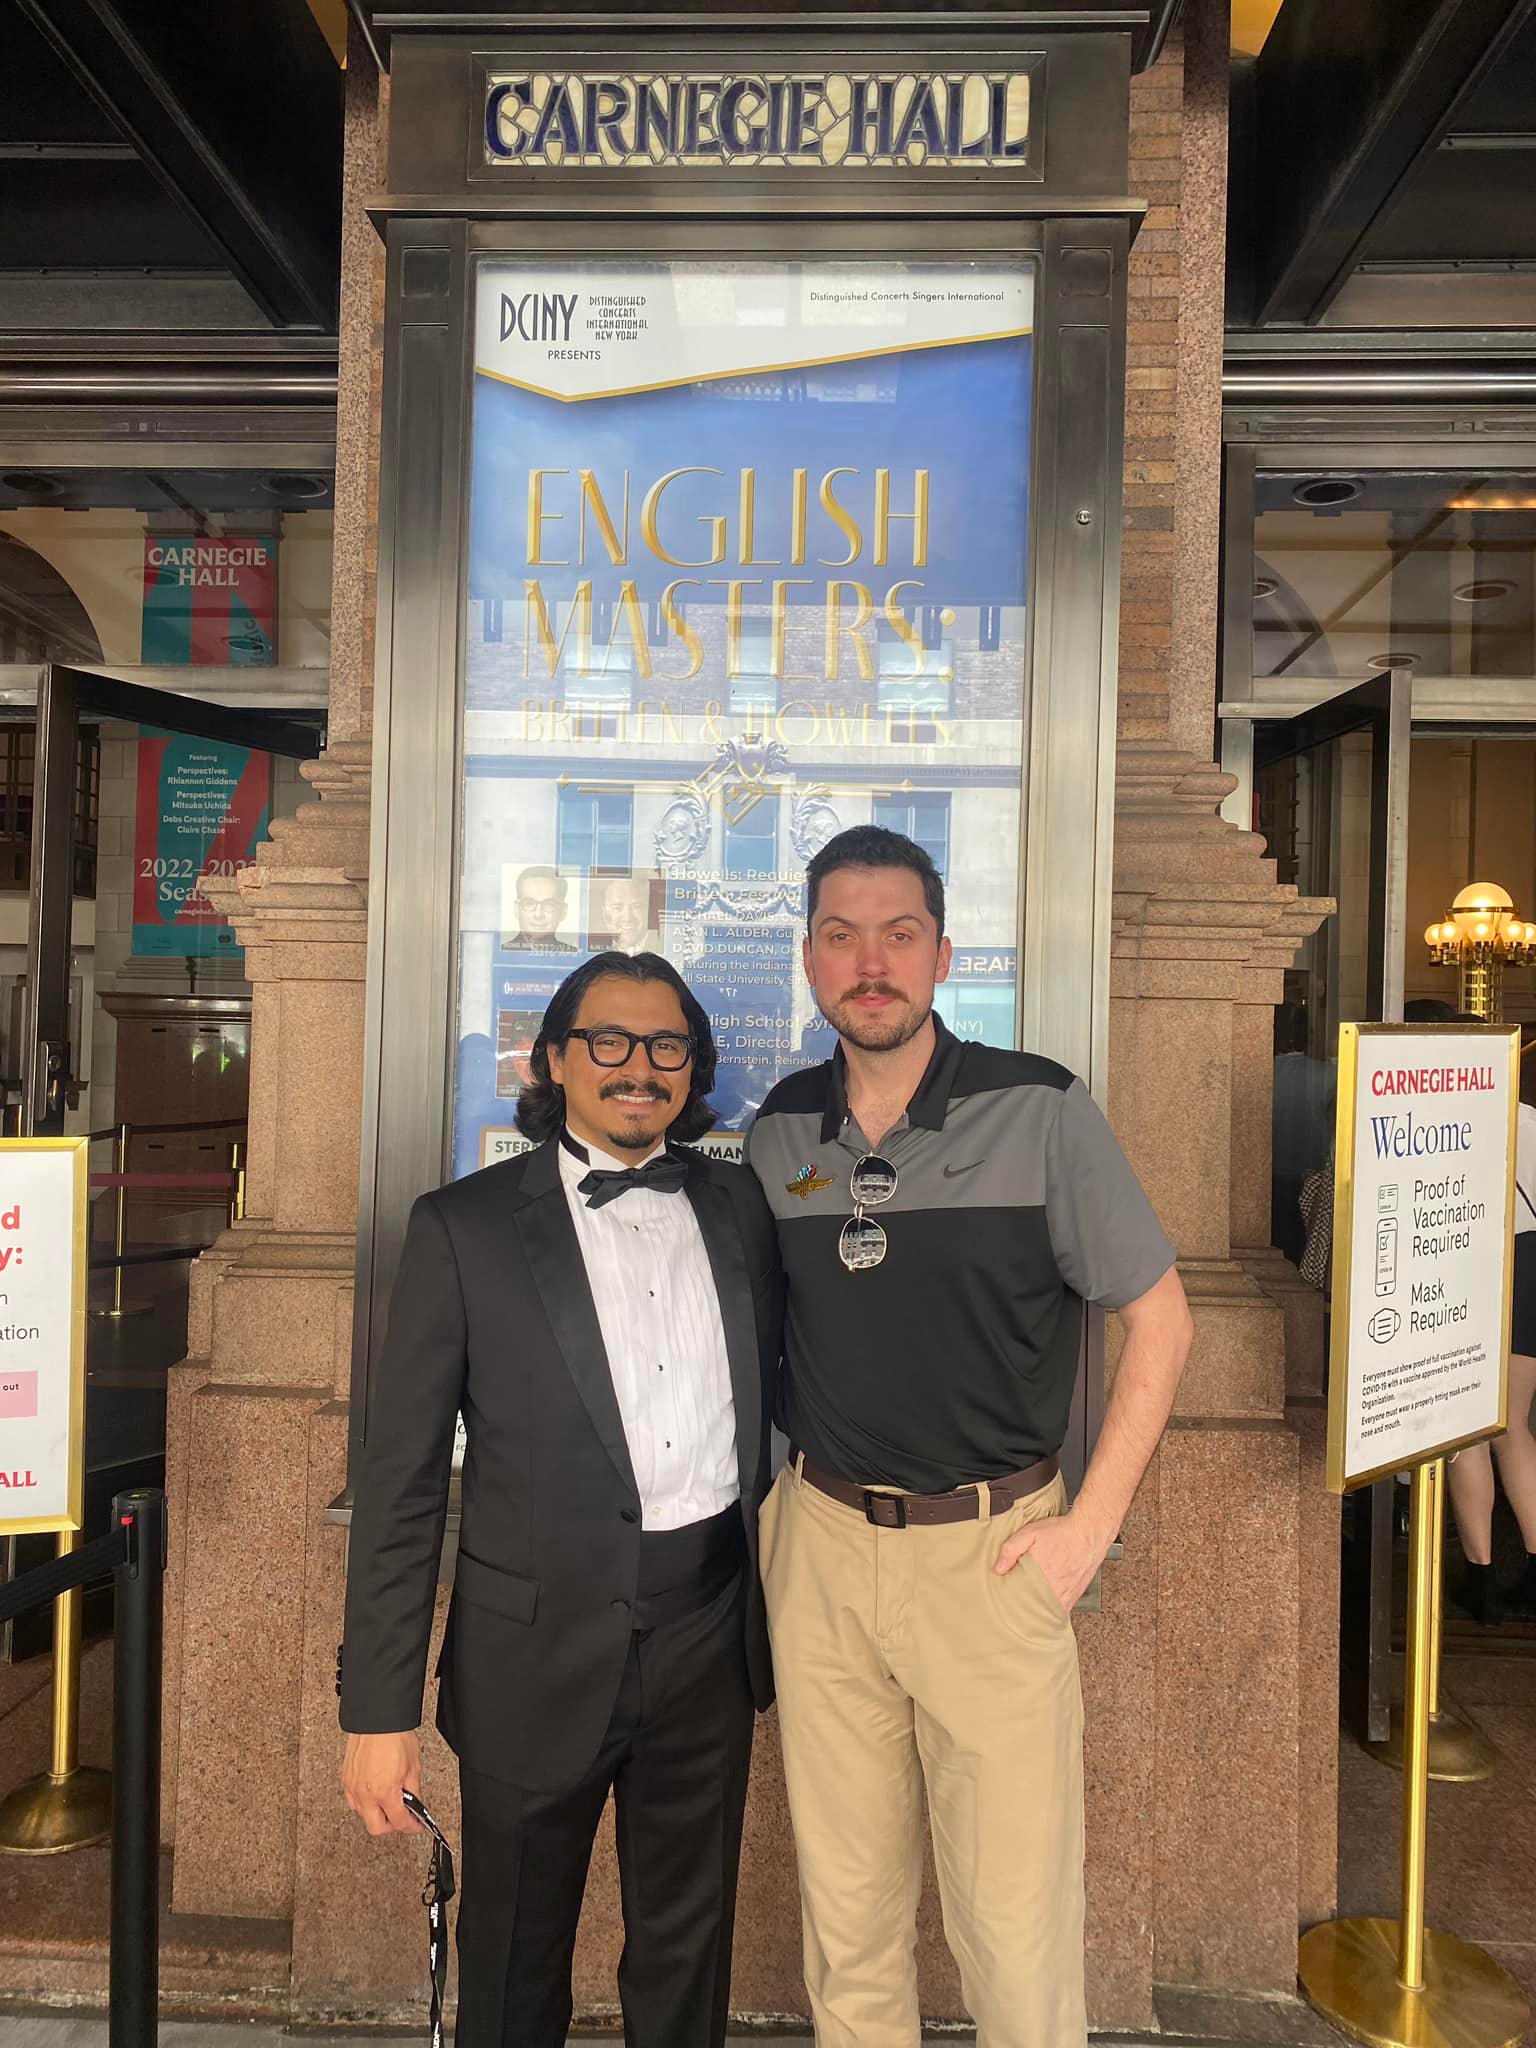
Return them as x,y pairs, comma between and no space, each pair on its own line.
1470,1476
1303,1130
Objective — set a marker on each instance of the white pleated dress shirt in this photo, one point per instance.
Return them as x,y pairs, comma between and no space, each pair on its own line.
654,1291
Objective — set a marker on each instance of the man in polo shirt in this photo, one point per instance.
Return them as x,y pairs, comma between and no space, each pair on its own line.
944,1211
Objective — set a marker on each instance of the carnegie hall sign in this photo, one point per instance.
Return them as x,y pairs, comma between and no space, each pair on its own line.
801,119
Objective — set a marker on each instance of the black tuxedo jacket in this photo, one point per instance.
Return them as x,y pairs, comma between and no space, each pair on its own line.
492,1315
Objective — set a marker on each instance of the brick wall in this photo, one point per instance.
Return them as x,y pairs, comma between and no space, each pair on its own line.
1152,355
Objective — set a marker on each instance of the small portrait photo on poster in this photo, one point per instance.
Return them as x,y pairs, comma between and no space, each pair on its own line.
541,910
627,912
515,1032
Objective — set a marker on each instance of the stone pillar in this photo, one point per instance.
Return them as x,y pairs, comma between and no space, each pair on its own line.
257,1417
272,1305
1210,1696
1214,1543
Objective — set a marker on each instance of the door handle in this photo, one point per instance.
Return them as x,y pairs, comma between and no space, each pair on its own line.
50,1078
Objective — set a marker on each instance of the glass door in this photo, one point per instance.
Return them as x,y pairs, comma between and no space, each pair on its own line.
1330,795
131,1021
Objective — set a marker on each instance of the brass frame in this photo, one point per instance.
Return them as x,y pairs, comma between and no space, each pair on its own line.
1340,1481
35,1525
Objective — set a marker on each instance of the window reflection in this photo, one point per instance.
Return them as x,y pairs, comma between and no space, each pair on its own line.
1358,570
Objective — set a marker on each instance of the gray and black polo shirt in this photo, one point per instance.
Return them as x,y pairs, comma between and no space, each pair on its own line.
954,1359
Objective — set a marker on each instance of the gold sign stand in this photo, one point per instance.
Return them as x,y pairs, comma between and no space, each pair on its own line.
1396,1984
68,1806
1459,1754
1400,1986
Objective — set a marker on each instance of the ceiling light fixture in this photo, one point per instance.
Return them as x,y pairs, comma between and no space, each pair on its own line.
1327,493
290,483
1482,592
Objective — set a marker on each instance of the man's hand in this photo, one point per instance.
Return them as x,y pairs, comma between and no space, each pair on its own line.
1066,1549
374,1772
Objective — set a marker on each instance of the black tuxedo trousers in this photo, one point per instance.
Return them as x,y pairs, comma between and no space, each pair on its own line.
558,1679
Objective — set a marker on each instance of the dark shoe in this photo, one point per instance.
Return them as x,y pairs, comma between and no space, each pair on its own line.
1478,1595
1520,1601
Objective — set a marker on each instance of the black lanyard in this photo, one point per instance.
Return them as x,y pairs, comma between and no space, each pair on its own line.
435,1894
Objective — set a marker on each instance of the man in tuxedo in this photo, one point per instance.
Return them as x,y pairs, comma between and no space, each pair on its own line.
604,1311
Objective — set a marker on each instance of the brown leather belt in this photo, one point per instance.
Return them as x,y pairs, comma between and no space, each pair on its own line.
901,1510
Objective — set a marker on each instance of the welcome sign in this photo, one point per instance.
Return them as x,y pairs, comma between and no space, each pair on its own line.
42,1333
1424,1199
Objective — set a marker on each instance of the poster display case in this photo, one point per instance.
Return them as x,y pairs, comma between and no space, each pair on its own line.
750,469
744,569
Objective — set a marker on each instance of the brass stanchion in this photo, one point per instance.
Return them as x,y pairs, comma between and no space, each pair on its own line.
119,1307
1459,1754
67,1806
1399,1986
237,1192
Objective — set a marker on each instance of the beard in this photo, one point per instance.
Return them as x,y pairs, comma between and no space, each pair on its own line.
639,1137
871,1034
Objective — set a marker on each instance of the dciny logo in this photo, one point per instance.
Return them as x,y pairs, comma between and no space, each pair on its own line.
538,316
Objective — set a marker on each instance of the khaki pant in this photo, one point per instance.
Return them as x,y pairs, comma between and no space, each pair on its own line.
902,1662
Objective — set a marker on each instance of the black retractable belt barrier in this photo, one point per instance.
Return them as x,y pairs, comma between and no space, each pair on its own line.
134,1551
43,1585
133,1996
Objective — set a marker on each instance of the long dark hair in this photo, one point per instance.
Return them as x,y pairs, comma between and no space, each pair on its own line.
541,1106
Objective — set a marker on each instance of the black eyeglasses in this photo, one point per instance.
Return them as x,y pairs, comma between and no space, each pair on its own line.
861,1242
435,1894
609,1046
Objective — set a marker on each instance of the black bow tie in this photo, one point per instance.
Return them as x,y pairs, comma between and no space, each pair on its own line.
663,1175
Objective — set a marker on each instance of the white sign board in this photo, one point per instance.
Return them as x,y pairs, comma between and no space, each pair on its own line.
42,1333
1422,1242
603,330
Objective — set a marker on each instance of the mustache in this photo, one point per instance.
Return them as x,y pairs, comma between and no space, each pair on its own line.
653,1089
873,988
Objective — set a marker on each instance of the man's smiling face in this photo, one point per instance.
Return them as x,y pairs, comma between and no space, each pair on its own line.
629,1108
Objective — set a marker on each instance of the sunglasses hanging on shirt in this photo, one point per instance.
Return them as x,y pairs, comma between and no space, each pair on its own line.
862,1242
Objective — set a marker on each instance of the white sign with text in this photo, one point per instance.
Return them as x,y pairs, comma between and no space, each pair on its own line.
1425,1183
42,1332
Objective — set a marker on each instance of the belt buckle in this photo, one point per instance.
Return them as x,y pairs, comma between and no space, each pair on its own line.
895,1515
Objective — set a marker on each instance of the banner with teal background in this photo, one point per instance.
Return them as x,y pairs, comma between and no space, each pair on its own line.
201,810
